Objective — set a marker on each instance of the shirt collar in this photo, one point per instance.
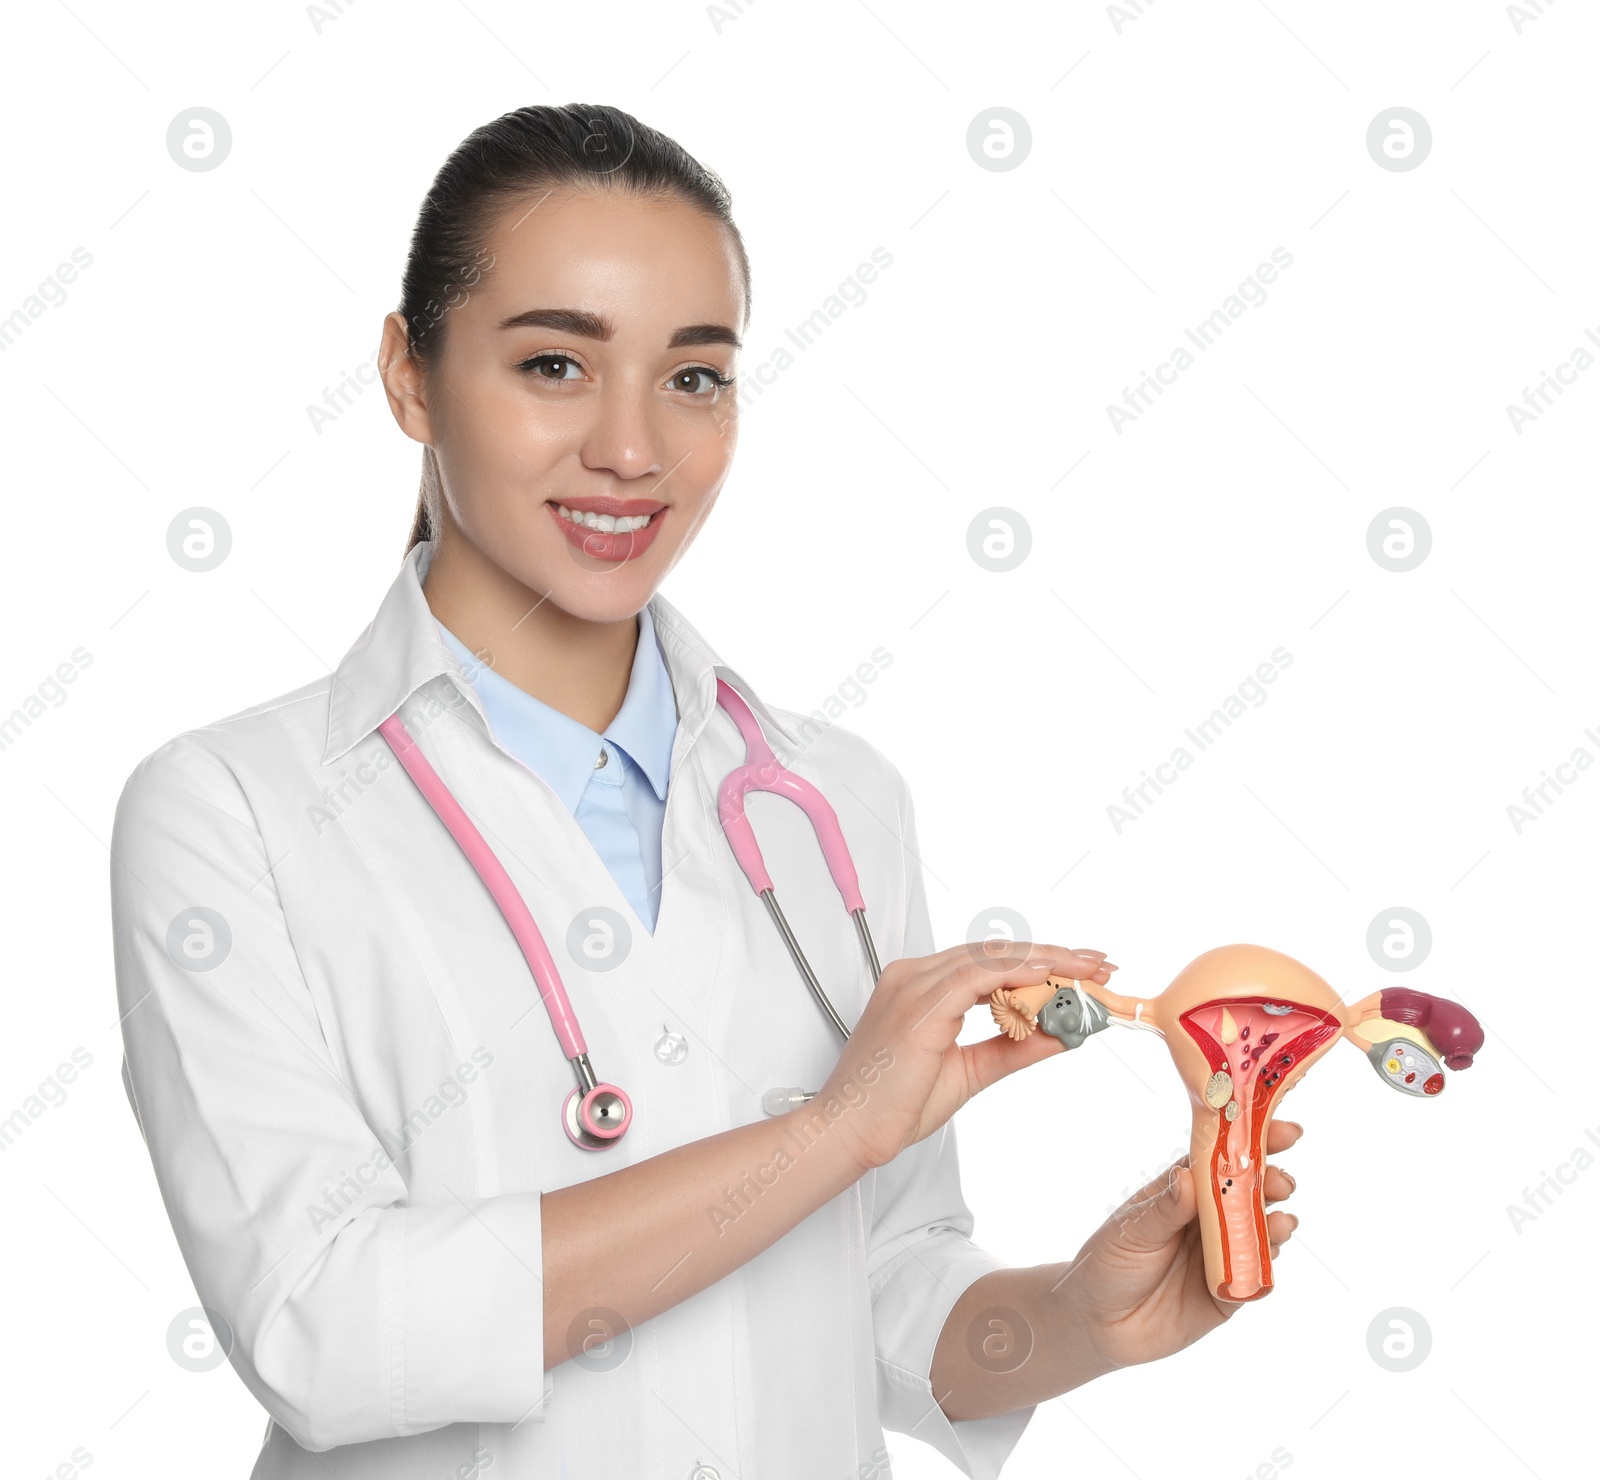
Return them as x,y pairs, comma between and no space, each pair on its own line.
563,750
647,722
401,651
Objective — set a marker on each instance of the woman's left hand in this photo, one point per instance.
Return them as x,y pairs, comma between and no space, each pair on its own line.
1140,1281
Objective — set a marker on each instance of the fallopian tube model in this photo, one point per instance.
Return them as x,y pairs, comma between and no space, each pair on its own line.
1243,1024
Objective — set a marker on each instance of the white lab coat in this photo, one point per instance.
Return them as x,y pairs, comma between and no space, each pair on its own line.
383,1285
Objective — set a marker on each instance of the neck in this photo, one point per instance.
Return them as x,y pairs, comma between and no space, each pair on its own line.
578,667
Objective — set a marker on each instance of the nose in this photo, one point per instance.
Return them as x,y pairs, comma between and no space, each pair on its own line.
624,437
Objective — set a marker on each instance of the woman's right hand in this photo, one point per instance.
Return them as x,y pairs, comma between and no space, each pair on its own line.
902,1074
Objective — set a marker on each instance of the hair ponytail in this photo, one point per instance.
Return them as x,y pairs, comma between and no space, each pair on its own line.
425,522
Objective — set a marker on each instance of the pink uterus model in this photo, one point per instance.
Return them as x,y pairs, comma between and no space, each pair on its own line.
1244,1024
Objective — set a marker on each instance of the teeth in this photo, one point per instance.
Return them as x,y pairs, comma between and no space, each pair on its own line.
605,523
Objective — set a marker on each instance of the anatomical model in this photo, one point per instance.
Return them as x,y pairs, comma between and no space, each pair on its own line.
1243,1024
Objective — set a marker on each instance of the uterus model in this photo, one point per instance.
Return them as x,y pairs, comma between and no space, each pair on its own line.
1243,1024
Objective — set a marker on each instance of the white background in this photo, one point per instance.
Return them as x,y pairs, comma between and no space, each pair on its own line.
1171,152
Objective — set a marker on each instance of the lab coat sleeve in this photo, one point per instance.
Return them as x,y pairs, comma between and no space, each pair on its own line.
921,1257
376,1319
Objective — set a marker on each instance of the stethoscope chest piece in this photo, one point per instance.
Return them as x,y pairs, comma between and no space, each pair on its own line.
595,1118
594,1115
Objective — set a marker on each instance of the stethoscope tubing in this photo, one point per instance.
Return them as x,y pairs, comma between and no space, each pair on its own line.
498,882
596,1114
770,899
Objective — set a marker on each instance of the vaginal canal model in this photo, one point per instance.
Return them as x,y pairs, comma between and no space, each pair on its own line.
1243,1024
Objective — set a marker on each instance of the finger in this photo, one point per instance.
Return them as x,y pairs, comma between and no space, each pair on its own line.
1069,956
998,956
1153,1222
947,999
1276,1185
1158,1184
1081,967
997,949
1103,967
974,981
1281,1135
991,960
996,1057
1280,1229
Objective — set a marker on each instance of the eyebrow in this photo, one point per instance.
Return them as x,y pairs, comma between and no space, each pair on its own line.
588,325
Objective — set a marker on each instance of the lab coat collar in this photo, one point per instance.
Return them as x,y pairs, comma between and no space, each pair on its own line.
401,650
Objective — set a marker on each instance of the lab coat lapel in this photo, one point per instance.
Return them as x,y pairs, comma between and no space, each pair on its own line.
714,968
733,964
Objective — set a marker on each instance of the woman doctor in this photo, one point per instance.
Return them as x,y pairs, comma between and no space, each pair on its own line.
339,1060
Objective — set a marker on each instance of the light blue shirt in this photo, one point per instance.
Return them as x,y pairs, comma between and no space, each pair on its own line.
615,784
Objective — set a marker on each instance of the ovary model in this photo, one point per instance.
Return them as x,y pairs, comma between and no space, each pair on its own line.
1243,1024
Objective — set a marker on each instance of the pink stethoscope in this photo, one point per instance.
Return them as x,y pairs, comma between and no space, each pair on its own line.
595,1115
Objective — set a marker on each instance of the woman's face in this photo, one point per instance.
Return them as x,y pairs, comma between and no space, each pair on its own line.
582,371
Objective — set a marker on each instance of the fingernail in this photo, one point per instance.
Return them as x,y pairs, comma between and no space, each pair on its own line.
1296,1127
1289,1179
1294,1222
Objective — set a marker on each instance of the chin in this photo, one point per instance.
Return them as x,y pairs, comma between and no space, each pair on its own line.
604,596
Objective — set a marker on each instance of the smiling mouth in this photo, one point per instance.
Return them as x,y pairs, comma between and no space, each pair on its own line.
609,530
605,523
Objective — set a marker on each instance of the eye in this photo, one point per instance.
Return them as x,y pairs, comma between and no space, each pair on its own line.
694,379
552,367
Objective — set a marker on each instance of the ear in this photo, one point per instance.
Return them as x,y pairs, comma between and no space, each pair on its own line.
403,381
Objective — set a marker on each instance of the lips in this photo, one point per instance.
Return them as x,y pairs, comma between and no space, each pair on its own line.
597,546
618,508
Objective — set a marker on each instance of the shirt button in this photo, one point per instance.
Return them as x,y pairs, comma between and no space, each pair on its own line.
602,759
703,1472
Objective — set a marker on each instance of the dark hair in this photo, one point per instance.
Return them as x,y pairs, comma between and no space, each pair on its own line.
587,145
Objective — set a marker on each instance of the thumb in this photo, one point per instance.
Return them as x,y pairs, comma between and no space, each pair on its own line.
1154,1222
994,1058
